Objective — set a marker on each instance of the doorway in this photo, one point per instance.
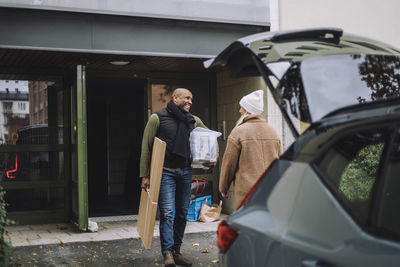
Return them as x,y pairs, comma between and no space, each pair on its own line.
115,124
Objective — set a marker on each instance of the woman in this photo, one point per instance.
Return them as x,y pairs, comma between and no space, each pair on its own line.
252,146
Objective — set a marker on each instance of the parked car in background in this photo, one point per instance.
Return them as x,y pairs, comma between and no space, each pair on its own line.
333,197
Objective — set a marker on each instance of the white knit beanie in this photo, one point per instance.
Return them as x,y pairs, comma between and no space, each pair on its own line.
253,103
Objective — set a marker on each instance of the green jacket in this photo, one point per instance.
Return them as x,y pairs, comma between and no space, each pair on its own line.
147,142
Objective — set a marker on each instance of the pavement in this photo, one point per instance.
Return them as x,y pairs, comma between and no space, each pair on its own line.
116,243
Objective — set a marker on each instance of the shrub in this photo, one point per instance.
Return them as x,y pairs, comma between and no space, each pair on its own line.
5,253
359,176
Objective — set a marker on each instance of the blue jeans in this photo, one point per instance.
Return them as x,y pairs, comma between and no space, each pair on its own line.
174,193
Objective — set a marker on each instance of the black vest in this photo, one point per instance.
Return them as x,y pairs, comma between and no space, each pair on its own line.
167,132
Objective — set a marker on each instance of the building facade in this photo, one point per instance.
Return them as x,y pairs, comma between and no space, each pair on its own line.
367,18
96,70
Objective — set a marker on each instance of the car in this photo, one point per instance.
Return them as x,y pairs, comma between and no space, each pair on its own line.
333,197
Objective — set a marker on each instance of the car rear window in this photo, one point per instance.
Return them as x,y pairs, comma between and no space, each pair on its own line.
317,86
351,167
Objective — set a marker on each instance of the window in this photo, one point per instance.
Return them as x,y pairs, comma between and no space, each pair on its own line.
21,106
35,154
7,106
34,101
32,156
40,99
352,165
389,216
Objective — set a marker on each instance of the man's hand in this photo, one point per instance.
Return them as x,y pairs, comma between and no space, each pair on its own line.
211,164
145,183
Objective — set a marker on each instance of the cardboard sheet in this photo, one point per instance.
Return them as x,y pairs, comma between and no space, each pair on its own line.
149,199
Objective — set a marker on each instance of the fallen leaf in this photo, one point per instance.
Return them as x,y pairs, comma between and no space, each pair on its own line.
195,244
205,250
215,261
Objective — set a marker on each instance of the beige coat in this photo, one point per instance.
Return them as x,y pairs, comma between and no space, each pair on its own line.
252,146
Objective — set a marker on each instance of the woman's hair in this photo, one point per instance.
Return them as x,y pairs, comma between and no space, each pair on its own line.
241,118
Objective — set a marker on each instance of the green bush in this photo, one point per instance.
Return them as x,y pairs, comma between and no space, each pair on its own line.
359,176
5,253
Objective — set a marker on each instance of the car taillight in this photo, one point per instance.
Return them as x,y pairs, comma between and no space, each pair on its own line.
255,185
225,236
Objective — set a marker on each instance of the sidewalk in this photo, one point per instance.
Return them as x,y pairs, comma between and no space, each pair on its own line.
44,234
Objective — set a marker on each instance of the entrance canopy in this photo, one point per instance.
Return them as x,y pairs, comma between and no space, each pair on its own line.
111,34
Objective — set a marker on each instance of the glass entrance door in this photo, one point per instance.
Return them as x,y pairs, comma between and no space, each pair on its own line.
33,149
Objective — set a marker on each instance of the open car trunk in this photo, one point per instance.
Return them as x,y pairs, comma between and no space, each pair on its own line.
314,73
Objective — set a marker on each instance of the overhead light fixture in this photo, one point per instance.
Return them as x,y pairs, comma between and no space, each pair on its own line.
120,63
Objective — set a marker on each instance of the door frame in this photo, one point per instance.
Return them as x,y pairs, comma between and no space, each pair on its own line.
79,174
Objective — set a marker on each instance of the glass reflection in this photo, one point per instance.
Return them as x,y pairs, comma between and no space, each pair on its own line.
317,86
26,105
31,113
14,109
31,166
381,74
291,95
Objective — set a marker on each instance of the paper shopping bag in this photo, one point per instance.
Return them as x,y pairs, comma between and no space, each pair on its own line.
210,213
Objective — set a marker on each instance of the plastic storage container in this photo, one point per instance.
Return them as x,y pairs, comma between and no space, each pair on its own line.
195,206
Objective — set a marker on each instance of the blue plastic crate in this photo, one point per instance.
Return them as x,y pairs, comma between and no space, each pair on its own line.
195,206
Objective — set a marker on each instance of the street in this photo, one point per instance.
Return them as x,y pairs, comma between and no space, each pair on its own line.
201,248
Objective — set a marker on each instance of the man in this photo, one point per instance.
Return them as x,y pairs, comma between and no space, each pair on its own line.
173,125
252,146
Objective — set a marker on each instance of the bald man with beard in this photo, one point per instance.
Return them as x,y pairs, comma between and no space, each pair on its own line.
173,125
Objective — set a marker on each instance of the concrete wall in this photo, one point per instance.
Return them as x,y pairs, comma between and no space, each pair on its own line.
229,92
370,18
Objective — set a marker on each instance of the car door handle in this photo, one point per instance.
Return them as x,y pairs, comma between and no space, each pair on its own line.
314,263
